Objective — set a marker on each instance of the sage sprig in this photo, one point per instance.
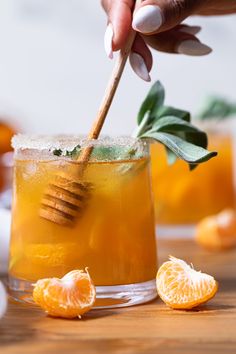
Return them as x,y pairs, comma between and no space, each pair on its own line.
171,127
168,125
217,108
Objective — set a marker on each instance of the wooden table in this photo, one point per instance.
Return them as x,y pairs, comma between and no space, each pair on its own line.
151,328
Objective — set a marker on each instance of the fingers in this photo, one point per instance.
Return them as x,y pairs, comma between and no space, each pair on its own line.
155,16
158,22
119,14
219,7
180,39
119,23
189,29
141,59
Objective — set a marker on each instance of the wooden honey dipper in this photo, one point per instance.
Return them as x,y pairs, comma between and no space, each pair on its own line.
65,196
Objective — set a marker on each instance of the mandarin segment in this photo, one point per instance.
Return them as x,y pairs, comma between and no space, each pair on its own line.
182,287
68,297
49,254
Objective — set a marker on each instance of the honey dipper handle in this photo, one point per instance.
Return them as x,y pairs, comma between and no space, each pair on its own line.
111,87
109,94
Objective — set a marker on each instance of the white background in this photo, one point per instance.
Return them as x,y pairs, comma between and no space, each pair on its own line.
53,68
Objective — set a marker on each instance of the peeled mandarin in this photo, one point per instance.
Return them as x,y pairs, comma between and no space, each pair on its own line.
49,254
67,297
217,232
182,287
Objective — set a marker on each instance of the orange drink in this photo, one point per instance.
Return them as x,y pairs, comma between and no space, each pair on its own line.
114,233
183,196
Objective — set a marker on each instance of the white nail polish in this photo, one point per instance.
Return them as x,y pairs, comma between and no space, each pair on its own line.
139,66
148,19
108,41
194,48
191,29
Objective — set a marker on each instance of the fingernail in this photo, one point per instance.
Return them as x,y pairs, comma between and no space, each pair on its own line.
191,29
108,41
195,48
139,66
148,19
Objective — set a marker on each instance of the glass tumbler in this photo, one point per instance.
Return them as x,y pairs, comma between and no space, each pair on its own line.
113,233
182,197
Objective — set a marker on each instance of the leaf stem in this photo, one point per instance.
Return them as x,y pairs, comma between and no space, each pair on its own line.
141,128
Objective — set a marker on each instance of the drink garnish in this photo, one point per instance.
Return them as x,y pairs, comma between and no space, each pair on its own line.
171,127
180,286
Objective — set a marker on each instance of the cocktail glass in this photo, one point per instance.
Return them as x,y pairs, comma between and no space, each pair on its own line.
114,234
182,197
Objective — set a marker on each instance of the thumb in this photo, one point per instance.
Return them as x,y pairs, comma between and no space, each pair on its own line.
154,16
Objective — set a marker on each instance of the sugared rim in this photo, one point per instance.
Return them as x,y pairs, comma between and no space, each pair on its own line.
68,142
106,148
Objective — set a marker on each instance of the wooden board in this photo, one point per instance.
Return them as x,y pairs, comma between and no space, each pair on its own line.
151,328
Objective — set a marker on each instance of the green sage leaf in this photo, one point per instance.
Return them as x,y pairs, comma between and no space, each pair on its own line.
198,138
73,154
182,129
152,102
184,150
57,152
217,108
171,111
173,124
171,127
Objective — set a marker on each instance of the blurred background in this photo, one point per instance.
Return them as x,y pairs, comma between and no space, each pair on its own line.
53,72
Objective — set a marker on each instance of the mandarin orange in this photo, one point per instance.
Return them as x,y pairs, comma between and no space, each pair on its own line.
182,287
68,297
217,232
6,133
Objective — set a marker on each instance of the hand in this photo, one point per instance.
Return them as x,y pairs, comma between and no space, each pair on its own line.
158,23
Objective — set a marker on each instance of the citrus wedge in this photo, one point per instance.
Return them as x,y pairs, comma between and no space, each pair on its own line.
182,287
68,297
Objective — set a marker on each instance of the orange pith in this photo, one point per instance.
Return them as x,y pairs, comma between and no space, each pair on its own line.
182,287
68,297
